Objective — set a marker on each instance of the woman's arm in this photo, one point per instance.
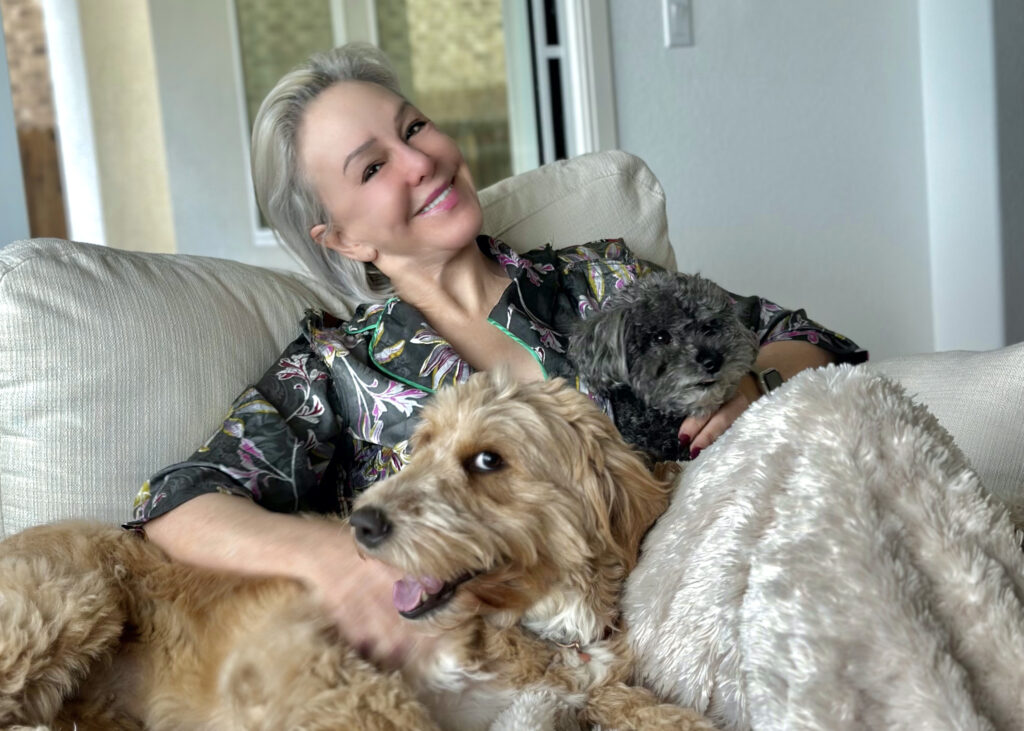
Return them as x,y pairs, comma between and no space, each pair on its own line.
229,533
274,446
233,505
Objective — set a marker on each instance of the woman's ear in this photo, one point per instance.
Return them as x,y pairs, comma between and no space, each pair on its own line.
331,238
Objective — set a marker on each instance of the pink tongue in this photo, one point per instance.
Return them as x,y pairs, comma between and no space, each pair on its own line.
407,591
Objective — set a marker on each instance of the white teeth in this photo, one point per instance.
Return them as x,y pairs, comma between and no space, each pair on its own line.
433,204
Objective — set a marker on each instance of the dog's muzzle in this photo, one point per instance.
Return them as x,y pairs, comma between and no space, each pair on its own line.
370,526
710,360
413,597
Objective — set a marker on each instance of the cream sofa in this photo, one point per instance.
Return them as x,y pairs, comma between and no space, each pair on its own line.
117,363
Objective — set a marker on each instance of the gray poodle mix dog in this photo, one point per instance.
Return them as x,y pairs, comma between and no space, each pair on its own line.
663,348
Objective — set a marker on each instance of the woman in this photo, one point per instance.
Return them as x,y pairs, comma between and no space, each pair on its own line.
370,195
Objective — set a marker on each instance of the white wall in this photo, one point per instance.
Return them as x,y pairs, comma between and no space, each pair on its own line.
789,141
13,214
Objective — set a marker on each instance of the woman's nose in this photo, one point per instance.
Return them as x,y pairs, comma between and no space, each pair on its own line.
418,164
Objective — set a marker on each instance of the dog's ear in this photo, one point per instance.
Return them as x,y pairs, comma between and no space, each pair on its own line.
598,348
623,495
500,379
636,498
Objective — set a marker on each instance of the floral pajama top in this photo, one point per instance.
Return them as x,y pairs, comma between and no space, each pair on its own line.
334,414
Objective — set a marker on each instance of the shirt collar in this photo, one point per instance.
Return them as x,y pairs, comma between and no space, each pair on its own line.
535,275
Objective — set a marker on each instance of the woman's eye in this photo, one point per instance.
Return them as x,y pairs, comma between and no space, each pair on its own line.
414,128
484,462
371,170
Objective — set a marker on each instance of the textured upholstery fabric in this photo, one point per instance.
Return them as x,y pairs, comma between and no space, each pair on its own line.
600,196
115,364
979,398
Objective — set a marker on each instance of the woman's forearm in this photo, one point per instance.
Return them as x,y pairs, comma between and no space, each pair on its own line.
230,533
789,357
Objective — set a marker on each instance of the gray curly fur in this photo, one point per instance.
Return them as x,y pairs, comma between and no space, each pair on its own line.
666,346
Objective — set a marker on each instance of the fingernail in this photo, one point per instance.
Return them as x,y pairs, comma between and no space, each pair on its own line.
684,439
694,452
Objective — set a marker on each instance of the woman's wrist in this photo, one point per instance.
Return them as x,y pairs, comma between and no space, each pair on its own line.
324,552
748,388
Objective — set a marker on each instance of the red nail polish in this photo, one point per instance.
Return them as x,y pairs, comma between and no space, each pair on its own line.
684,439
694,452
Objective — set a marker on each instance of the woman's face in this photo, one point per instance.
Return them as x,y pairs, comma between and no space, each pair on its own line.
393,185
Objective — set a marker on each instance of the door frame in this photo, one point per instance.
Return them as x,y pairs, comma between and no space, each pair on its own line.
72,108
589,60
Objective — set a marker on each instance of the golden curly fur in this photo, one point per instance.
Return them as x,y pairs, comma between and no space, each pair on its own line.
99,628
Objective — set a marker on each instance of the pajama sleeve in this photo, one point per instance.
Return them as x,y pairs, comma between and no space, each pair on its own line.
773,323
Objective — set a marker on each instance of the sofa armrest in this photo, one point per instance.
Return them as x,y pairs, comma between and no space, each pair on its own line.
978,396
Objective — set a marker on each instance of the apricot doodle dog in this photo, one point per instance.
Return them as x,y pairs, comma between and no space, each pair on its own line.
516,522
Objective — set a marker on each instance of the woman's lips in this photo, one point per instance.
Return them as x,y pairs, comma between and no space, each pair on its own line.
443,200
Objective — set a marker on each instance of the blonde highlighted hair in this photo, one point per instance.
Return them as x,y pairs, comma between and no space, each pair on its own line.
285,196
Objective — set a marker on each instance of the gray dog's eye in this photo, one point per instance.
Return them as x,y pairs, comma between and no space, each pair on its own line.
710,327
662,337
484,462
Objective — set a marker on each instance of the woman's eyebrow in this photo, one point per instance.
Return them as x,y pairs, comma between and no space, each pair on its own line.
356,152
362,148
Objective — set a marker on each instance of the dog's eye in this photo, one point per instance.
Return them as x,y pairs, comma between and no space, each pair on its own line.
662,337
711,327
484,462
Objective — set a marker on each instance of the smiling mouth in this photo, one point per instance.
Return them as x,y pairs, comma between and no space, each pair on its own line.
438,200
415,598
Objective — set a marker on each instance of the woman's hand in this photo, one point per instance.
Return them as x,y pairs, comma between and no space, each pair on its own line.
696,433
229,533
788,357
357,593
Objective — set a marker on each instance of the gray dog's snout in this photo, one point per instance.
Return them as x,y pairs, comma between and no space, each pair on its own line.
711,360
370,525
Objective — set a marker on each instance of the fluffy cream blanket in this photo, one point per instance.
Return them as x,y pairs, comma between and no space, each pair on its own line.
832,562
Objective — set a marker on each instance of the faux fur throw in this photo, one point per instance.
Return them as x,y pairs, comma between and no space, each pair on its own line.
832,562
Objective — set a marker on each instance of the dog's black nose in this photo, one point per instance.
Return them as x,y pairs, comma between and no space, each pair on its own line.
710,359
370,525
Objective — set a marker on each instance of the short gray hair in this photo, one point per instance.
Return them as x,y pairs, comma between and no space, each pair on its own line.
285,196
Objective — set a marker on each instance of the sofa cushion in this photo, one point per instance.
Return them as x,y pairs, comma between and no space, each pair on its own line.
602,195
979,398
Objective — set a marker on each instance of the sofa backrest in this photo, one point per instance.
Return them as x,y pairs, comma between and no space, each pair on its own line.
116,363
